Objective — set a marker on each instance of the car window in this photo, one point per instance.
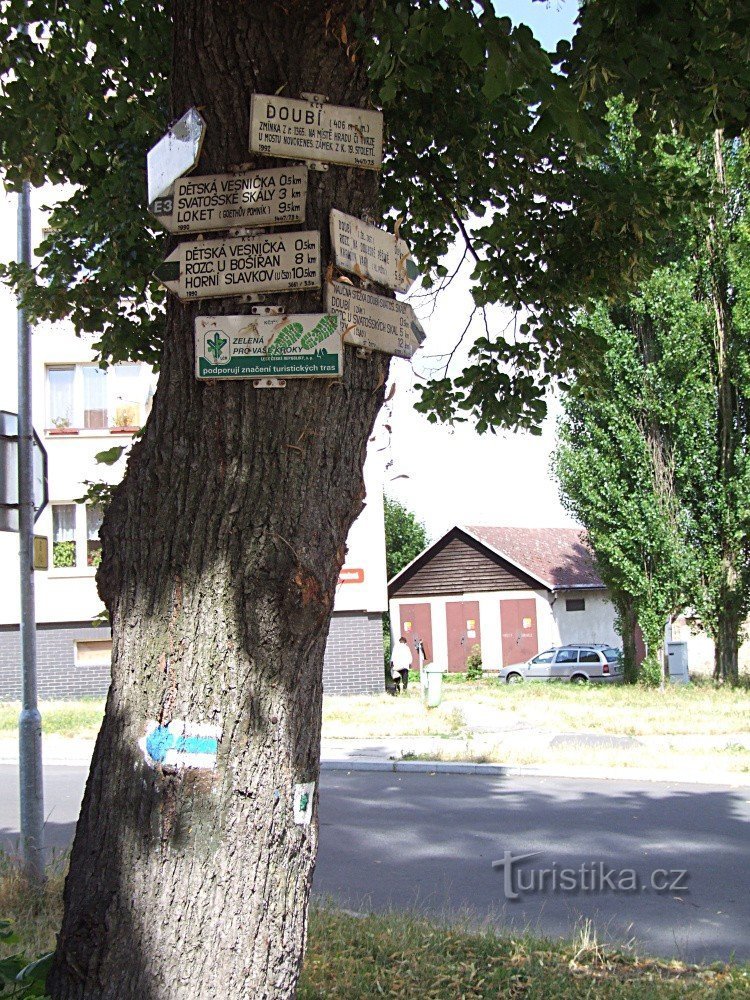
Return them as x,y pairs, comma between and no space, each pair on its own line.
613,655
545,657
588,656
567,656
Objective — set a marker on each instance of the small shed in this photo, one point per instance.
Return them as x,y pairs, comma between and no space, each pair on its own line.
510,591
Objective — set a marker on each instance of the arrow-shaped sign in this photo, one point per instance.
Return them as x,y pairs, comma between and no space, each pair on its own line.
372,253
175,154
226,201
373,321
240,265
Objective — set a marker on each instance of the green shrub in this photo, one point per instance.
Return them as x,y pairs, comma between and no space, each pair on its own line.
63,554
650,672
474,663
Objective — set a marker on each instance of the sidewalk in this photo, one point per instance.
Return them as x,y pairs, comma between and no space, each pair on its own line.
397,755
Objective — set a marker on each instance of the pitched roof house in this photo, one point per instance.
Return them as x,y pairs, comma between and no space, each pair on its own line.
510,591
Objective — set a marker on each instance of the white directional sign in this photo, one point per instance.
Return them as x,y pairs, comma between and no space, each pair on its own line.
373,321
371,252
296,346
175,154
224,201
307,130
242,265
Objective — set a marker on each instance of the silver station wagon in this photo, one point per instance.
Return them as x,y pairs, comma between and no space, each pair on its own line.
577,662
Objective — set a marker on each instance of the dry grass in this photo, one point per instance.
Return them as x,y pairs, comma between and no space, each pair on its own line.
64,718
408,957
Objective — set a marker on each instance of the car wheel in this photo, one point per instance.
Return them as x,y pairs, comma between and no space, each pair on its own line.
513,679
579,679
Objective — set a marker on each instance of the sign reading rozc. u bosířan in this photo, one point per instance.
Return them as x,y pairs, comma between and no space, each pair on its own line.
241,265
224,201
307,130
297,346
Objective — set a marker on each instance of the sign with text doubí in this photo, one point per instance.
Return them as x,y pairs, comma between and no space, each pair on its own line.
371,253
242,265
296,346
373,321
225,201
308,130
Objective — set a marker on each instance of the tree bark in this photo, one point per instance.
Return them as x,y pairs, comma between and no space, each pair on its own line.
221,552
730,600
627,622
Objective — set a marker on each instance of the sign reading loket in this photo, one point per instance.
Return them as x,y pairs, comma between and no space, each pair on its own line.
308,130
371,253
241,265
296,346
373,321
224,201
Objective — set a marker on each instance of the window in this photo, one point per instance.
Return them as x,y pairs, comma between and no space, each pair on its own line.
545,657
96,399
75,536
93,653
93,543
64,555
60,385
575,604
588,656
567,656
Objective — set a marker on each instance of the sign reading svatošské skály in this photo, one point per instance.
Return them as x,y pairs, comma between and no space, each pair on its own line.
373,321
242,265
308,130
296,346
225,201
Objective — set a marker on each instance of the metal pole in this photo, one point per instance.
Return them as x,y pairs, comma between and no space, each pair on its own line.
30,720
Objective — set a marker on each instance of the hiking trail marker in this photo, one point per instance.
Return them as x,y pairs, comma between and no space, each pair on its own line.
242,265
313,130
175,154
370,252
373,321
261,347
223,201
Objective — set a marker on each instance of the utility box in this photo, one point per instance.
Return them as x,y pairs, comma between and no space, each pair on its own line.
677,654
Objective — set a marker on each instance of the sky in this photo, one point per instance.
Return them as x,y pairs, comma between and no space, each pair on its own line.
445,475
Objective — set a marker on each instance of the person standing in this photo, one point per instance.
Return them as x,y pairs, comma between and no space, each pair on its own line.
401,664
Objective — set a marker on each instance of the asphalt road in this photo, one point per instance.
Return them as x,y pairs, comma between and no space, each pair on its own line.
427,842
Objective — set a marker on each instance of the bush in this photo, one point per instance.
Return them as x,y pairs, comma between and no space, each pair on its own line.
650,672
474,663
63,554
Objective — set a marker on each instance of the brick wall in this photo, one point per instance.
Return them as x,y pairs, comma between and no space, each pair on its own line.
57,674
353,661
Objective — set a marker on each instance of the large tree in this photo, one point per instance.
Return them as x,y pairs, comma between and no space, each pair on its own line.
405,536
223,544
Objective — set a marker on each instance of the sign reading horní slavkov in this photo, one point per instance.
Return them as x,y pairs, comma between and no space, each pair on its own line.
296,346
372,253
373,321
242,265
222,201
306,130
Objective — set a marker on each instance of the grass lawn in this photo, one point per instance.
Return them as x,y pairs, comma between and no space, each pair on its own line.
410,958
697,727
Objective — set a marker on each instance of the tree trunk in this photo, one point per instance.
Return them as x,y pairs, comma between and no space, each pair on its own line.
627,622
730,598
221,552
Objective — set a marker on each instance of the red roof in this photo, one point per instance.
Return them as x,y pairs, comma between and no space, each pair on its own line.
559,557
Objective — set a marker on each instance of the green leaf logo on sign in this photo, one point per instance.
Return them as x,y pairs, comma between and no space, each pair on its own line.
217,347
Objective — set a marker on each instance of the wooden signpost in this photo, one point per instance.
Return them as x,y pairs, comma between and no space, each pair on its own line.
373,321
175,154
311,130
371,253
260,347
224,201
241,265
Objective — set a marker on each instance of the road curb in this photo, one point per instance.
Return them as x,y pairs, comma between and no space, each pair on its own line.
525,771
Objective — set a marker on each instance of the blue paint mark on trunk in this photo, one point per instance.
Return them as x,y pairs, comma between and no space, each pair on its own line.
160,741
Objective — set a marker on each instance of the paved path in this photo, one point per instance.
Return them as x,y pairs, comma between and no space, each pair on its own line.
428,841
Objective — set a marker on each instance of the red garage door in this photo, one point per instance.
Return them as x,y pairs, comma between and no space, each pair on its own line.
416,626
518,626
462,623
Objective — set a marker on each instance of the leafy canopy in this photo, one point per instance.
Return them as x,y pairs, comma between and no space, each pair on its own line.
405,536
491,141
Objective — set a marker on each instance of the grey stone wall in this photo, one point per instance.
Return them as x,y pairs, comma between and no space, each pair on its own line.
57,674
353,661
